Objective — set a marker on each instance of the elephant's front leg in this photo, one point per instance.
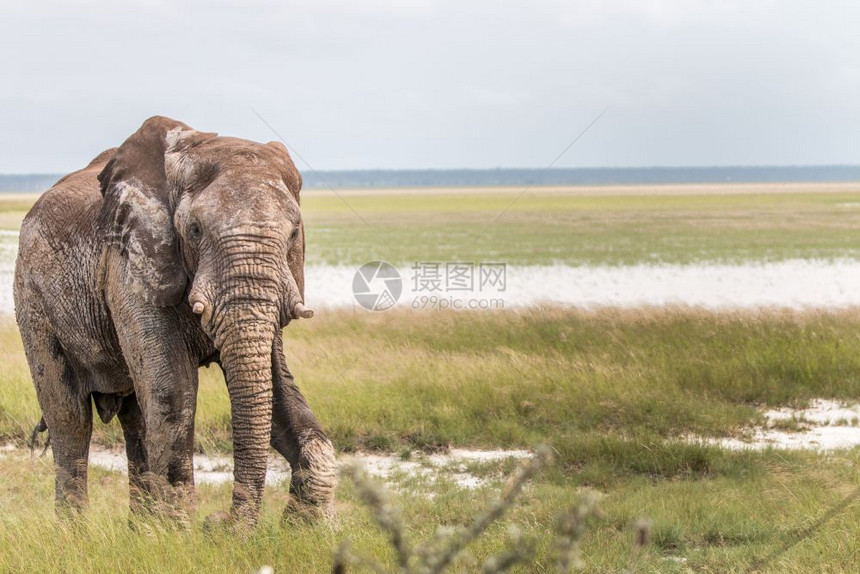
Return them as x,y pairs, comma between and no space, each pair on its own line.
167,395
165,384
298,436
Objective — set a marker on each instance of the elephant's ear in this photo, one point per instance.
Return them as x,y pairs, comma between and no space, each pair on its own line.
296,261
291,176
137,207
293,180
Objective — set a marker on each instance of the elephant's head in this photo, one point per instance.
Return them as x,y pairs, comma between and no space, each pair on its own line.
187,207
214,223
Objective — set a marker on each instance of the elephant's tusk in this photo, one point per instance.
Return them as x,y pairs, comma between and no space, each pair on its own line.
198,308
301,311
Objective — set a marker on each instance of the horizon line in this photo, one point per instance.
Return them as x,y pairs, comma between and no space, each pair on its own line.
499,168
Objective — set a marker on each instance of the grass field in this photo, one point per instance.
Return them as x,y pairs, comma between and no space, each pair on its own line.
545,228
612,392
615,393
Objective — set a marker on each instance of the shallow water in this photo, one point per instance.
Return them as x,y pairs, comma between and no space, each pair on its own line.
795,283
824,425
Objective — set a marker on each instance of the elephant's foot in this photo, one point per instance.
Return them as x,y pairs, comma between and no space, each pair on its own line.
218,522
233,523
159,500
313,483
244,512
298,511
70,513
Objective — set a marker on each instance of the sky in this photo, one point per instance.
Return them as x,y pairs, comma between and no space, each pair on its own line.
421,84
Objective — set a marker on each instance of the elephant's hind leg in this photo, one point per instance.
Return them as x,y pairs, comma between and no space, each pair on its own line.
68,414
134,430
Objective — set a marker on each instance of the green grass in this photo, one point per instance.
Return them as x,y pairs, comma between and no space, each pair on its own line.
714,525
514,378
546,228
611,391
13,208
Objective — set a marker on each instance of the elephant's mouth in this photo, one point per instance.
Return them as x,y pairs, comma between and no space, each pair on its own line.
288,312
249,278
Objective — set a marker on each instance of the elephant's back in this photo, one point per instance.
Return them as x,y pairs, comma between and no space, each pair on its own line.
68,210
58,248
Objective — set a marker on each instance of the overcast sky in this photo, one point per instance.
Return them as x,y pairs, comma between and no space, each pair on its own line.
437,84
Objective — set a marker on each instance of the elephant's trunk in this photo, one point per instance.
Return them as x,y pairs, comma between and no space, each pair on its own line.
246,357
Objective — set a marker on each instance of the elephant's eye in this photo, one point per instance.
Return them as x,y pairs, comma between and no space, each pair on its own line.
295,234
194,230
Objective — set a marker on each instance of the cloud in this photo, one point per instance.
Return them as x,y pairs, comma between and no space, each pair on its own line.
439,84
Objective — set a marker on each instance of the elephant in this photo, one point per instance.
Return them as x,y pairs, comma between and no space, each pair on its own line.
175,250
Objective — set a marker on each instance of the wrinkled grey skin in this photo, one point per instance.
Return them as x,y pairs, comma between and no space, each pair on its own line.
175,250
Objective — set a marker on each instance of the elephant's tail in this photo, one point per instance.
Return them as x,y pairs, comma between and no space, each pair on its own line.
42,426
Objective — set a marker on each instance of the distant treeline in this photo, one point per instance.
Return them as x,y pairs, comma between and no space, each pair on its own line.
28,182
342,179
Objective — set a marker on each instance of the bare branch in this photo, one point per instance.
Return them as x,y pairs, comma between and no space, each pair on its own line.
513,487
385,510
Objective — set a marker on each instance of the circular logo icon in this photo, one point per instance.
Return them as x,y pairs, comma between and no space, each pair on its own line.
377,286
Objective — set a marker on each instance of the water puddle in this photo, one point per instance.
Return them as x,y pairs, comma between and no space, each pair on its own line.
452,465
207,469
389,468
824,425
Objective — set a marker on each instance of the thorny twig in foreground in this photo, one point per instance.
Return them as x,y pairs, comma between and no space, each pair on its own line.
438,561
570,528
440,553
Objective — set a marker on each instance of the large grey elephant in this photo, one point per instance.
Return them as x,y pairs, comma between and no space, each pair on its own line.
177,249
